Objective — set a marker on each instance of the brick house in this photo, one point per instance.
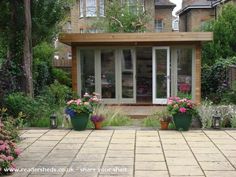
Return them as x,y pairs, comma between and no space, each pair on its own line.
85,12
195,13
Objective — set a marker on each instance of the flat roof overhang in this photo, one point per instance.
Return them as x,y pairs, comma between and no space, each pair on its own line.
135,39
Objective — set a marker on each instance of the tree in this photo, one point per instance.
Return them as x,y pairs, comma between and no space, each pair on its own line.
224,41
121,17
27,59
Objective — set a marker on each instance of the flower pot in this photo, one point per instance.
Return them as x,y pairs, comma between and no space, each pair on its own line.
97,125
182,121
79,121
164,125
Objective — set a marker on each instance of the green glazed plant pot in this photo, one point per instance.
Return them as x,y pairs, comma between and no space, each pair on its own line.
182,121
79,121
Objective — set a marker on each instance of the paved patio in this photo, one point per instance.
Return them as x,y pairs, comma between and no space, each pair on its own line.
127,153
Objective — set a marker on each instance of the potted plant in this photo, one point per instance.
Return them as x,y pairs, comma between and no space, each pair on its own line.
182,111
164,118
80,110
97,121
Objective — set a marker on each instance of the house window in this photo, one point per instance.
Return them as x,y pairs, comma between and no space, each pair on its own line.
135,6
69,55
69,28
91,6
159,25
81,8
101,8
175,25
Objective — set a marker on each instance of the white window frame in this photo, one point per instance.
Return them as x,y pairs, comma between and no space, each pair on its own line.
91,8
158,27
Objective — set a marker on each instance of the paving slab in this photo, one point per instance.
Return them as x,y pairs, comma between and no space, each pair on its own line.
127,153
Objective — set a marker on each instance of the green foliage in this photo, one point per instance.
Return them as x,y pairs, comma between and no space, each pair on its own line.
46,18
42,66
214,79
56,94
123,18
61,76
230,96
39,109
9,131
233,122
113,116
224,42
151,121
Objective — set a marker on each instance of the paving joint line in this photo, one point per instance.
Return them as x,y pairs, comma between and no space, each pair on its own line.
50,150
230,135
77,152
135,139
113,131
193,154
162,148
35,140
220,150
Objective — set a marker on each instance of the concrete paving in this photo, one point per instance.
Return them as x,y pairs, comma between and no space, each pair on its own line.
127,153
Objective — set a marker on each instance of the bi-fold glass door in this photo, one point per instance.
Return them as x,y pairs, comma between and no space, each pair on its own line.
161,74
109,72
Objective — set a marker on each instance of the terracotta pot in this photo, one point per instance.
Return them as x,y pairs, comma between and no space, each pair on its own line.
164,125
98,125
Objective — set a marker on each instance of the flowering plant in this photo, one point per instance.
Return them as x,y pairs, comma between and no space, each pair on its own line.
176,105
87,104
97,118
8,152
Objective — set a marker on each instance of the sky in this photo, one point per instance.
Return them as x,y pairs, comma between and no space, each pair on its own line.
179,4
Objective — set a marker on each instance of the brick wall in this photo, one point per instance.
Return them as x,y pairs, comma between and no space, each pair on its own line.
166,15
193,19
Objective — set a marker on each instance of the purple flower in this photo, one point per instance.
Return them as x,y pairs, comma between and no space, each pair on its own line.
97,118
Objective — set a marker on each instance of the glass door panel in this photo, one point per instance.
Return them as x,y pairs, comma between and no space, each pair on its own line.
108,74
127,76
161,72
87,71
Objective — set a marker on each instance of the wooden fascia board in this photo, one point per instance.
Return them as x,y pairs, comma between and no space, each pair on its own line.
73,38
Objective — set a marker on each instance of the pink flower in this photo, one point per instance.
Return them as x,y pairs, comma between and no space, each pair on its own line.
10,158
69,102
183,110
17,151
2,147
78,101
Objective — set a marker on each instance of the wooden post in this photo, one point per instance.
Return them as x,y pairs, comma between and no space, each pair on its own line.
198,74
74,70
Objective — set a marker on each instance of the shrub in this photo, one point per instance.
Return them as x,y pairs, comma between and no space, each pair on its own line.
61,76
151,121
8,152
56,94
19,102
226,112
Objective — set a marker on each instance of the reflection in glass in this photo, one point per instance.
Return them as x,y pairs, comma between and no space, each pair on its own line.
87,71
184,80
108,74
127,74
161,73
